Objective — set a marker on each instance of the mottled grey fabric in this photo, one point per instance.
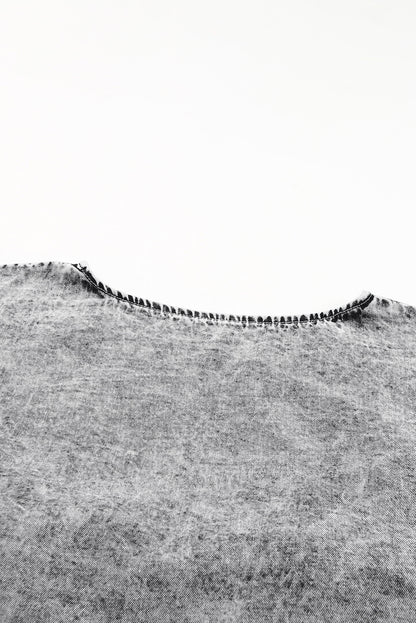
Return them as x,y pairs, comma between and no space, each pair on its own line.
157,467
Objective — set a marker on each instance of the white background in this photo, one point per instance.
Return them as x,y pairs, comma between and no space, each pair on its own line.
228,156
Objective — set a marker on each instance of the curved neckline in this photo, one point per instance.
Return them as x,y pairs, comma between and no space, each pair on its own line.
340,313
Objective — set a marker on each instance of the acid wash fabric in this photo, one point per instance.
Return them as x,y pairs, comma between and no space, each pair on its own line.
166,465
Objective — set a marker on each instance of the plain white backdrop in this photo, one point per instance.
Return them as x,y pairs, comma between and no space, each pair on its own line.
227,156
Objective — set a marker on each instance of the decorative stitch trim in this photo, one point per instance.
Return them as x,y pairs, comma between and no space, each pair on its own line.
28,264
333,315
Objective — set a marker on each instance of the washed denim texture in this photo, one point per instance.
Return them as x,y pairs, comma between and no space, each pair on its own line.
157,467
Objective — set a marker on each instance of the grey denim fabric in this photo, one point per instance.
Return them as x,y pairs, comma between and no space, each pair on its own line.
160,466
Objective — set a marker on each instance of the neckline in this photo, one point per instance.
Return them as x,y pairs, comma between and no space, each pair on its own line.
340,313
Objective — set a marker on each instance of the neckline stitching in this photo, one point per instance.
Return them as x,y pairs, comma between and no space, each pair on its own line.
332,315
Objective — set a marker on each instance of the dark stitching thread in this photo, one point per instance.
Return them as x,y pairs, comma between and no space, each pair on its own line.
27,264
244,320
